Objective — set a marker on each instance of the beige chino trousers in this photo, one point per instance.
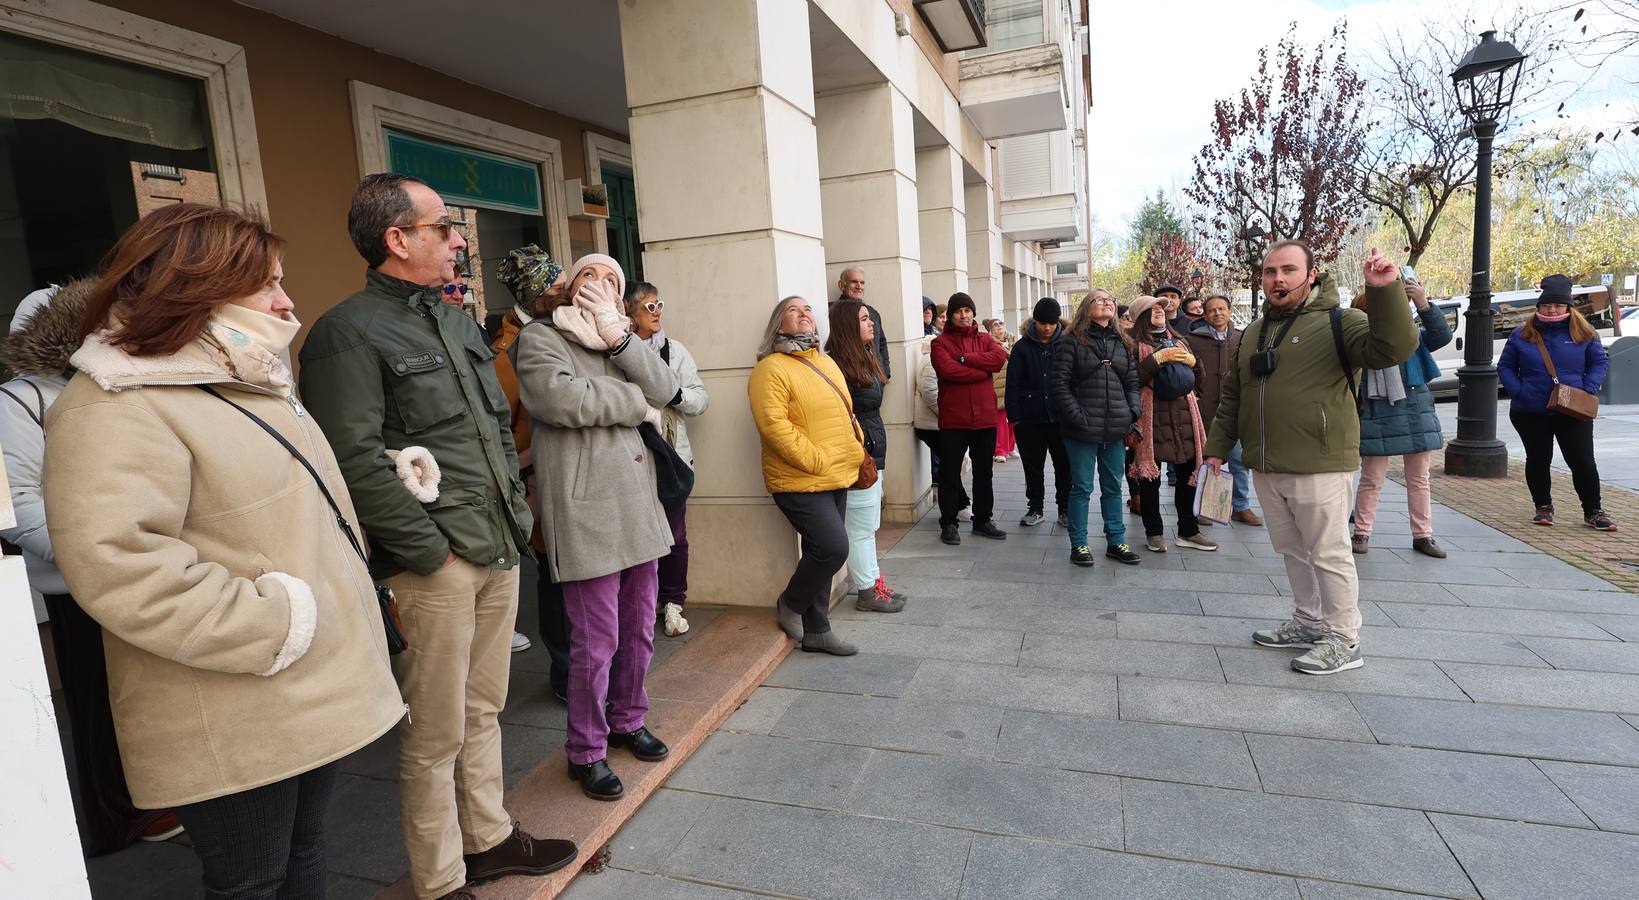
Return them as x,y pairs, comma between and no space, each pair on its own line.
459,623
1308,521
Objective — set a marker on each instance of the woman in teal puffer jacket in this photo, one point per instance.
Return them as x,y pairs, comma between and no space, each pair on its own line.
1397,419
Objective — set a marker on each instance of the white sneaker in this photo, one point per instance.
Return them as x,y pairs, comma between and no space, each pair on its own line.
520,643
675,624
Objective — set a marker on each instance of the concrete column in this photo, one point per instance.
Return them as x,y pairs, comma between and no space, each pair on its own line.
724,152
940,202
868,188
984,250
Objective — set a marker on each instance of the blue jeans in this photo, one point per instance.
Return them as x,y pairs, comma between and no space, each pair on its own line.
1108,460
1242,499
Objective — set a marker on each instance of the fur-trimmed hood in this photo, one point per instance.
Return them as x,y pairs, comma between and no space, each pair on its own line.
43,345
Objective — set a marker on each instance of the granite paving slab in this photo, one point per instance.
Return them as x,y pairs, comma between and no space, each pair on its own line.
1468,783
1380,675
1508,730
1516,861
1140,749
1609,795
757,767
1390,848
1563,689
817,853
1495,621
1015,687
1030,870
1593,656
1242,707
1117,656
893,724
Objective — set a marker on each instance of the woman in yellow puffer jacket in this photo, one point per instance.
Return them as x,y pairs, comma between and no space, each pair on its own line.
811,455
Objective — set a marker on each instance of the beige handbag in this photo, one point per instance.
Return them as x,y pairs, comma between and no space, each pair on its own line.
1564,399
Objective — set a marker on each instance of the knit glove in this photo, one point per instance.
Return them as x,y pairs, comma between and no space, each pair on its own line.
600,302
652,416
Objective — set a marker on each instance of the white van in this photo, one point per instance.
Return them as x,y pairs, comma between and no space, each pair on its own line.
1509,310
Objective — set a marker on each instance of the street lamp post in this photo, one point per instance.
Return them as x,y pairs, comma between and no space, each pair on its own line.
1252,239
1485,82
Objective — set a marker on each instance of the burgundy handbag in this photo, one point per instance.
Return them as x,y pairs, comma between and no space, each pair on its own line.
1564,399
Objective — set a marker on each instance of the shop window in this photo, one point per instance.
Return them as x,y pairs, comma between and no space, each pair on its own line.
497,197
87,144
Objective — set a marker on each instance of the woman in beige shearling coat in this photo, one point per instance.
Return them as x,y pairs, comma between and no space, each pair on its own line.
245,646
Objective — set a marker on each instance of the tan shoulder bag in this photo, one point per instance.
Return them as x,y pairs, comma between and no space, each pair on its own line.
1564,399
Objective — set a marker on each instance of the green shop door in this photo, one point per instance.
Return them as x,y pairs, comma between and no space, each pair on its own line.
624,244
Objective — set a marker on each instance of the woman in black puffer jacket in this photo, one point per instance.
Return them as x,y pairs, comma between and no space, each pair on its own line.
1094,391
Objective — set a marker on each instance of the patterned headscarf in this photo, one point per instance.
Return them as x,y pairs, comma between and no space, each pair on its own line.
528,272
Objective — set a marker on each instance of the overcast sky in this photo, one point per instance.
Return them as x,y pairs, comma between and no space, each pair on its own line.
1158,65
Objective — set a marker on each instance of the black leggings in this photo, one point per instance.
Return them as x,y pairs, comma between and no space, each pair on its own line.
555,628
1538,433
1183,499
266,843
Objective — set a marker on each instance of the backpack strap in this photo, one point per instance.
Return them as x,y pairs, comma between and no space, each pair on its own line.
38,417
1342,353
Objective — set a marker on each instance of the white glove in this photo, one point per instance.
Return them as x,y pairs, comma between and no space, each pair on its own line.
652,416
604,307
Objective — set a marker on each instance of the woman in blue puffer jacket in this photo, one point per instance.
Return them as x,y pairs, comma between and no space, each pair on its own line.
1397,419
1579,361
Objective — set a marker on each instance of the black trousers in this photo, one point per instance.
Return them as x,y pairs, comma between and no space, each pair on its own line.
980,444
555,628
266,843
819,519
1538,434
1183,500
1036,443
930,437
108,819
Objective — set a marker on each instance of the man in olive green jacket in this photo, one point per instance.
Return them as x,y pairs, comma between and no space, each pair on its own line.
1289,399
391,367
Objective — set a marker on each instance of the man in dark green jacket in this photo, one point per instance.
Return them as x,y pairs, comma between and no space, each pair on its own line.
1289,399
391,367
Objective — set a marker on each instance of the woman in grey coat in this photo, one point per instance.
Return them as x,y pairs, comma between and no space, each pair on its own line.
587,383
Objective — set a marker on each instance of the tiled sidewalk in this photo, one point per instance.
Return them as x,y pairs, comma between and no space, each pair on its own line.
1029,729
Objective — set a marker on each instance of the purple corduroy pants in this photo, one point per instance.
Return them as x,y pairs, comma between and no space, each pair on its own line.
610,646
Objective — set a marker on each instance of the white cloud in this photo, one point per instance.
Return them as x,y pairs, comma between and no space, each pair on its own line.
1159,65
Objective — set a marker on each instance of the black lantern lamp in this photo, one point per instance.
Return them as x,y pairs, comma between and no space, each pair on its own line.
1252,240
1485,81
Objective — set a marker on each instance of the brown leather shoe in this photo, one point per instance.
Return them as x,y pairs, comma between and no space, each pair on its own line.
1247,517
1427,547
520,854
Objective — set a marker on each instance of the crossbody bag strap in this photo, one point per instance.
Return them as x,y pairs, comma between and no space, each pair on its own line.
1547,360
852,419
340,519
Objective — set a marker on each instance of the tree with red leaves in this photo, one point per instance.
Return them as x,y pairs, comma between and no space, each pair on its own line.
1169,259
1282,152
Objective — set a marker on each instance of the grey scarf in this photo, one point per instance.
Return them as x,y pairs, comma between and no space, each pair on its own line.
795,343
1385,384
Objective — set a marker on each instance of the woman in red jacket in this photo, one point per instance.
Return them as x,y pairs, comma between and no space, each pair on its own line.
964,358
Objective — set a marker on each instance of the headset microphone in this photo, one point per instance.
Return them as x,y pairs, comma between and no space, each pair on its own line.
1282,294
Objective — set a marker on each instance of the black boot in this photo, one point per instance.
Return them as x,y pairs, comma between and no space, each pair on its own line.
596,780
645,746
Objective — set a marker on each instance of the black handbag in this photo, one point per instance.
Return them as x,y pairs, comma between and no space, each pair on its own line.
396,642
674,479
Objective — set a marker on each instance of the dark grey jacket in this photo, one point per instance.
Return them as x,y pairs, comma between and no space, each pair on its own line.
1094,389
868,410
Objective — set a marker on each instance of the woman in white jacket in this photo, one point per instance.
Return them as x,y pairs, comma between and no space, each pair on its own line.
644,305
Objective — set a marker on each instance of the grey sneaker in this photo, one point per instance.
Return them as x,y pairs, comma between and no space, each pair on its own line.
828,642
1289,633
877,598
1032,519
1329,656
